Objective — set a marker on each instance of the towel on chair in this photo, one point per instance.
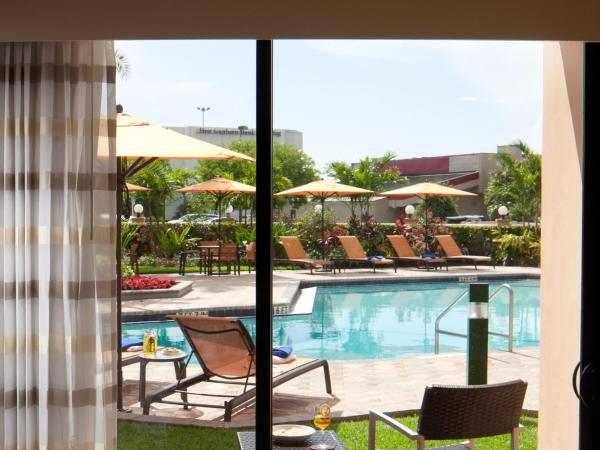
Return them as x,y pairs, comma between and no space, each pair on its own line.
282,351
376,258
130,342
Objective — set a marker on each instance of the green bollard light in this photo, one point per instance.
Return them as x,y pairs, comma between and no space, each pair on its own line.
477,333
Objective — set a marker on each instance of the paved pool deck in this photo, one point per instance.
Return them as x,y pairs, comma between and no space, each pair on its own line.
389,385
235,294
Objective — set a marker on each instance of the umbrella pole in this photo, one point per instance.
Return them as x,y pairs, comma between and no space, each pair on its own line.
119,193
219,200
323,228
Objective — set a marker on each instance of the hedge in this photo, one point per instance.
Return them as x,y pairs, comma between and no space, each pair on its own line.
476,239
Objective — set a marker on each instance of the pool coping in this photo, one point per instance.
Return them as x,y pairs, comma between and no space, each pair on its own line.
286,303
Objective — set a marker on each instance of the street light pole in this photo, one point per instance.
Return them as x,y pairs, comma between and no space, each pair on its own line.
203,109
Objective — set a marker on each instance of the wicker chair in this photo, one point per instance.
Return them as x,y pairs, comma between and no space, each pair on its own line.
462,412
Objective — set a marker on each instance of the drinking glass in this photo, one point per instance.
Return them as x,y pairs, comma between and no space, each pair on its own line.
322,419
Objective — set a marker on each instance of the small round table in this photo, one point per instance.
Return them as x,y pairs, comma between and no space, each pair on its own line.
178,362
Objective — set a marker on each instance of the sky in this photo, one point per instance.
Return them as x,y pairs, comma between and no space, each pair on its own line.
350,99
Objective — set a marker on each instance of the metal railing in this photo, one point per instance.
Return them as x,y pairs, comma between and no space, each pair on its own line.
511,310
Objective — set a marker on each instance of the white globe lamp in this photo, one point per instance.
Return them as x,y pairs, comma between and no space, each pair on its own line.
410,210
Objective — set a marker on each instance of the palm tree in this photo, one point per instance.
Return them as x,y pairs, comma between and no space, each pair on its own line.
369,173
122,62
517,184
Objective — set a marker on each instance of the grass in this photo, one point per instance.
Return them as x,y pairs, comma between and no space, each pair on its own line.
354,434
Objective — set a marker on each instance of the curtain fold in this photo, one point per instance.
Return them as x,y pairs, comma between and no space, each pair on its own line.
57,245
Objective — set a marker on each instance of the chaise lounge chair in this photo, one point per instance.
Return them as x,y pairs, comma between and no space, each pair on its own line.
297,256
404,253
462,412
356,254
454,253
226,354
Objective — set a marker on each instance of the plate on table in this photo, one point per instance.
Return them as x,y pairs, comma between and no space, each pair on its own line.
170,351
292,434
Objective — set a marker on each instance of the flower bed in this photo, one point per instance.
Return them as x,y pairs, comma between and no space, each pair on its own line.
136,283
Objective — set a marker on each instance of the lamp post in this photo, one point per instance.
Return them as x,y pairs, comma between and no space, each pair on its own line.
138,216
503,213
203,109
320,207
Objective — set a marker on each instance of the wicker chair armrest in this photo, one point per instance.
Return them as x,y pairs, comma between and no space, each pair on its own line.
374,416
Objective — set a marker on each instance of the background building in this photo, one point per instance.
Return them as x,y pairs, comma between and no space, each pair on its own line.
469,172
225,136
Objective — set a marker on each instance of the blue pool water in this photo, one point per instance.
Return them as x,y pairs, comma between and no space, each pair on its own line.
385,321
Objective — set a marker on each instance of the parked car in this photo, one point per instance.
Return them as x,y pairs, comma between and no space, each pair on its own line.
216,219
193,218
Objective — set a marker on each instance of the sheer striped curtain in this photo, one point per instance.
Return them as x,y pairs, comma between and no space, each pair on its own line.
57,245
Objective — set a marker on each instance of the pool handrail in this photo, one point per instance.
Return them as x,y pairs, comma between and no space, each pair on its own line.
509,336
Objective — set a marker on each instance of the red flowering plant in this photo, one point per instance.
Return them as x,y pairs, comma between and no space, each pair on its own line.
420,233
135,283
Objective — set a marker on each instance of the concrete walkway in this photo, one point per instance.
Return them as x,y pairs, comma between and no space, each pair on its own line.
388,385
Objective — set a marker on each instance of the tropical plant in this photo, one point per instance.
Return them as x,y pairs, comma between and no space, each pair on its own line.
516,184
157,178
312,232
369,173
371,235
520,248
128,234
421,232
171,240
122,64
441,207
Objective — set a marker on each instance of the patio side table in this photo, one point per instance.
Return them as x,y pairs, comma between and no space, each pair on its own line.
178,360
247,441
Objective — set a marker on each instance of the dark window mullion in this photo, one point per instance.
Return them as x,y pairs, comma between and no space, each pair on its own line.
264,258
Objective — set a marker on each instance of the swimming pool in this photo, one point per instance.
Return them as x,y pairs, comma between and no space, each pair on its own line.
385,321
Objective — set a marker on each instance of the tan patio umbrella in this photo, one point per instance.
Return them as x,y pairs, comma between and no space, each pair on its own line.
137,138
324,189
219,188
135,188
425,191
144,143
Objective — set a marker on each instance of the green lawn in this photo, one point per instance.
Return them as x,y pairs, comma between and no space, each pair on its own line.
353,433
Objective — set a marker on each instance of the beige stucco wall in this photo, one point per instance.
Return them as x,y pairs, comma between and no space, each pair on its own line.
561,244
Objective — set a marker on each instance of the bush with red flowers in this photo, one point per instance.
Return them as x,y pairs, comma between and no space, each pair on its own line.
136,283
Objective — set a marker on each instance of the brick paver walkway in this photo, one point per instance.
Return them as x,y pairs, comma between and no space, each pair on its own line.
388,385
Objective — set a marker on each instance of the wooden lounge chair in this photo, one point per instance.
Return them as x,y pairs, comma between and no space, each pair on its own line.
404,253
462,412
356,254
297,256
250,257
454,253
226,354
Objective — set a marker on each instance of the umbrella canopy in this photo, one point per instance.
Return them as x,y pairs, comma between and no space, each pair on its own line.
221,186
135,188
427,190
138,138
325,189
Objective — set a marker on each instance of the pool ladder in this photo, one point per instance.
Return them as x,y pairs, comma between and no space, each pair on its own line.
511,309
